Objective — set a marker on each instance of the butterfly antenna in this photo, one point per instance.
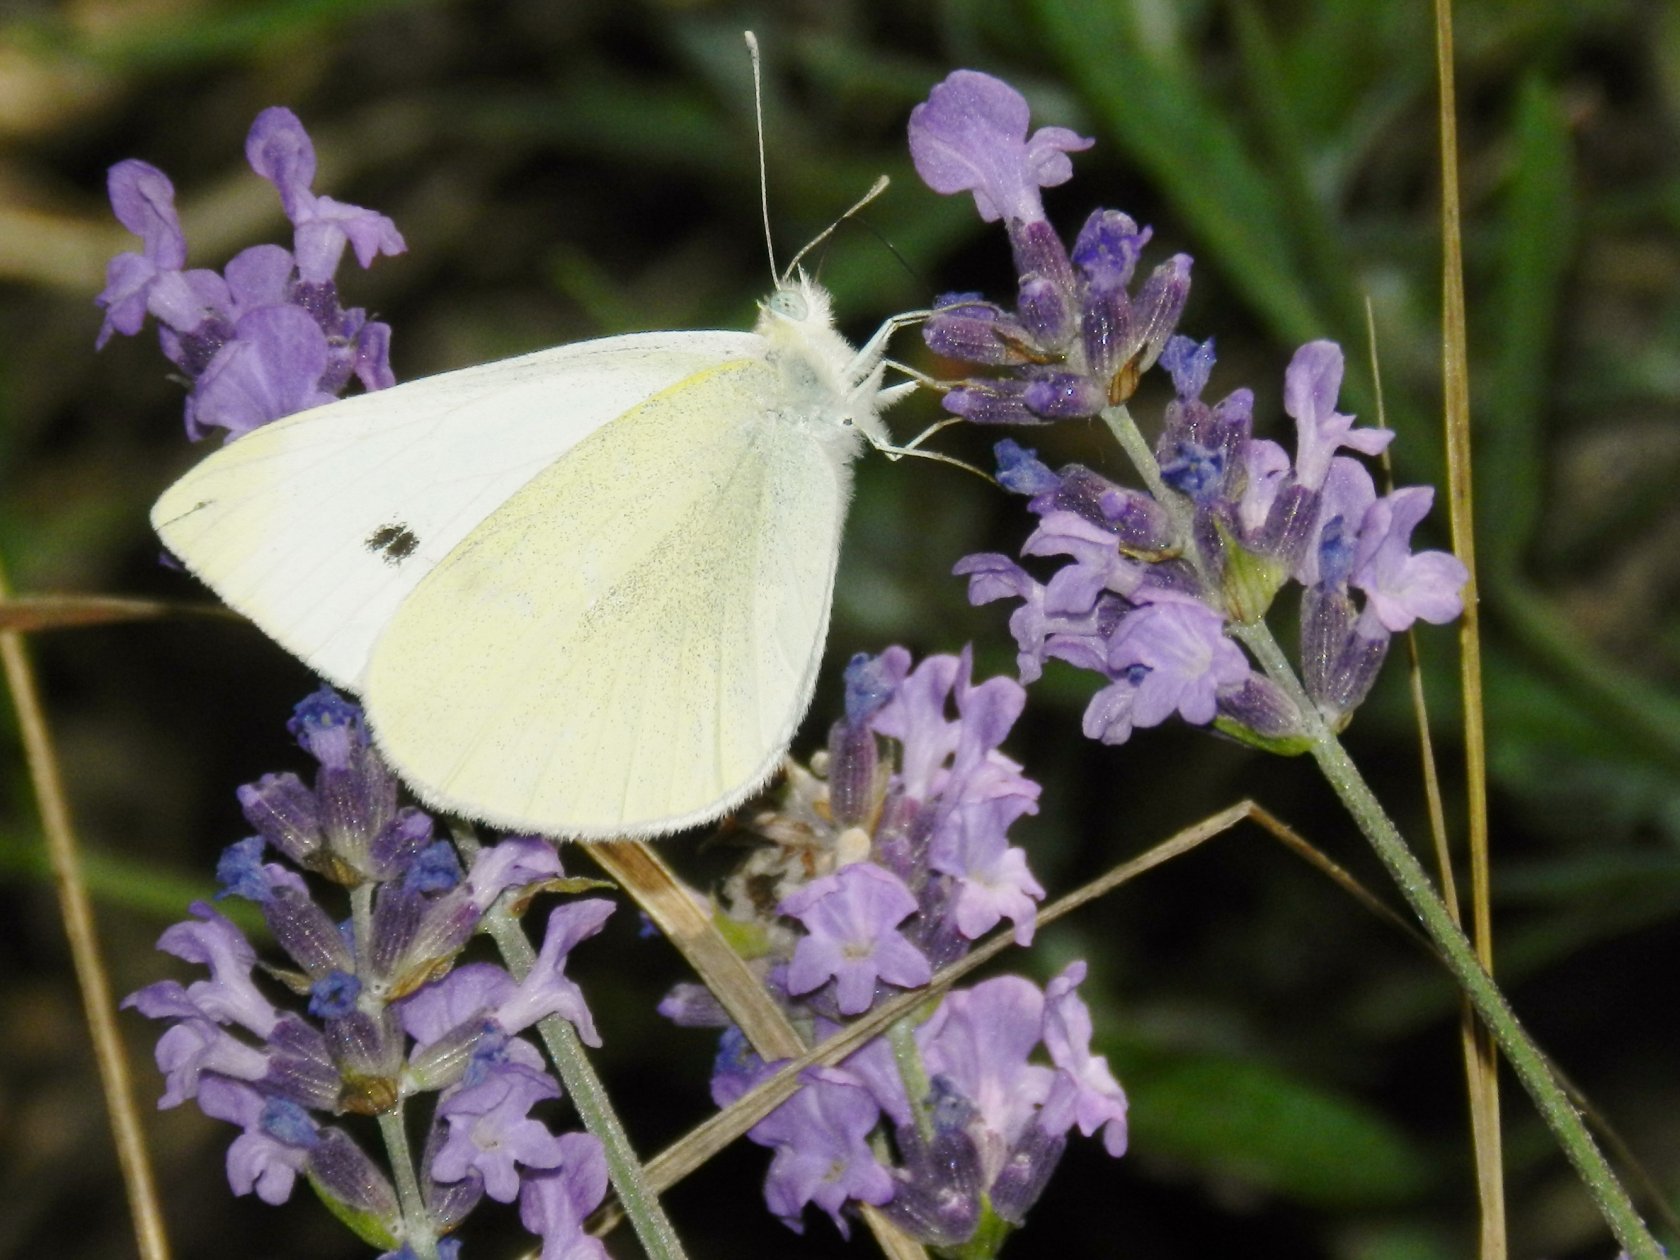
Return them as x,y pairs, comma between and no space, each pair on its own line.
763,174
875,190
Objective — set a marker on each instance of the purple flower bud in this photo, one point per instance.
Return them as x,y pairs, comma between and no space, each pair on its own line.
964,328
1062,395
306,932
239,870
1349,679
1287,534
1046,311
990,402
344,1173
1158,308
693,1006
1105,324
1020,472
367,1050
871,682
299,1065
285,813
1260,705
853,759
395,845
1189,364
937,1193
1194,471
435,869
970,135
1026,1171
334,995
1133,520
329,727
1107,249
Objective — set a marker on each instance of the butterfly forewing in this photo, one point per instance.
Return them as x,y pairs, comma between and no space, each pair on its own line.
318,526
632,637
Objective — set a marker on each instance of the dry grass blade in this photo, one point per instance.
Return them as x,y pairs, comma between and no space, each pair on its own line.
1455,369
30,614
677,912
76,910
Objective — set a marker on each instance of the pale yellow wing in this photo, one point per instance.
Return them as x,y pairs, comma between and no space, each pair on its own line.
625,646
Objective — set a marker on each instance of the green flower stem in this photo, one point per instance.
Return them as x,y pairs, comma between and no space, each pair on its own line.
1419,891
907,1058
418,1231
589,1095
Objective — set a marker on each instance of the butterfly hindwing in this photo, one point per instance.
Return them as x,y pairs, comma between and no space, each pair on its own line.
632,637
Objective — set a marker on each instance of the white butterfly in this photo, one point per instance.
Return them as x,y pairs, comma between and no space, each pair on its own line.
583,592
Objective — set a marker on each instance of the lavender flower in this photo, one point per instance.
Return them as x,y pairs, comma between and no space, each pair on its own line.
1151,591
390,1015
879,869
1077,339
267,336
850,918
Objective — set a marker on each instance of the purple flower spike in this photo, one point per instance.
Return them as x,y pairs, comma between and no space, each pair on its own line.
970,135
1404,588
852,918
1310,385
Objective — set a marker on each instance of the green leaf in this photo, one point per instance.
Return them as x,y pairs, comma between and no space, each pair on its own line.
1258,1125
1144,92
1539,241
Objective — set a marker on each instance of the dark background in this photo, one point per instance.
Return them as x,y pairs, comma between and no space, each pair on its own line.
568,170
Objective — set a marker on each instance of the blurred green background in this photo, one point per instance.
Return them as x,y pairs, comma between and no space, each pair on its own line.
567,170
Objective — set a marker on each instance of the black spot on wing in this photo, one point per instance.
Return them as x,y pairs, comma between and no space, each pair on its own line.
395,543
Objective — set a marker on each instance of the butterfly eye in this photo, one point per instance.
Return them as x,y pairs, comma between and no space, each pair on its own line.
789,303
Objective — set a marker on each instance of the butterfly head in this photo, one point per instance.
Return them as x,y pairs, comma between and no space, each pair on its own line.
798,305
